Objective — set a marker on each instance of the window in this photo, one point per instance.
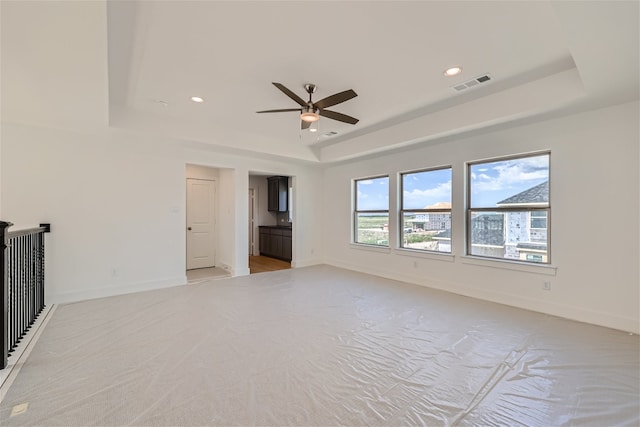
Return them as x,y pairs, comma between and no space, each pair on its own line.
371,214
508,209
425,210
539,219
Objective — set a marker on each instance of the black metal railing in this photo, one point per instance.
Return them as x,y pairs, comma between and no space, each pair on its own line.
21,283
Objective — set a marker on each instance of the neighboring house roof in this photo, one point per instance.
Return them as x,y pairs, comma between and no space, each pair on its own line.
439,205
537,194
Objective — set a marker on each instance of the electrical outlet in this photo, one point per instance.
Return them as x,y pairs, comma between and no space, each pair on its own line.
546,285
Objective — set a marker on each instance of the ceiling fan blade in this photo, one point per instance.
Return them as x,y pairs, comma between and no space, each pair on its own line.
290,94
338,116
304,125
279,111
335,99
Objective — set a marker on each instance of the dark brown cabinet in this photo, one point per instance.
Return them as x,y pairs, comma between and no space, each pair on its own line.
286,247
278,193
275,242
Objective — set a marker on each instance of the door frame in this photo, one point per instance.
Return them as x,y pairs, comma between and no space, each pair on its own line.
253,196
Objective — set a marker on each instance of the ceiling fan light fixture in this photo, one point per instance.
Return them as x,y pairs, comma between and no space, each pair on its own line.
309,116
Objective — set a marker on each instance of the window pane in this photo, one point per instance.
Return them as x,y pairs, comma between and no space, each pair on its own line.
427,190
427,231
513,182
372,194
508,235
372,229
539,219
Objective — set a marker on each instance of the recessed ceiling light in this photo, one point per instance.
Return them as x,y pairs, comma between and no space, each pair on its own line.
453,71
197,99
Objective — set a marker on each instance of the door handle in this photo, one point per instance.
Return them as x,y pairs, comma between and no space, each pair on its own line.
189,228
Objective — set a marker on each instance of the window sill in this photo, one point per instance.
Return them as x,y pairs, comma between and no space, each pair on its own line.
372,248
545,269
439,256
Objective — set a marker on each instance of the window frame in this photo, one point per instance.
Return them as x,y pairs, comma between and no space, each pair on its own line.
546,220
402,210
519,208
354,219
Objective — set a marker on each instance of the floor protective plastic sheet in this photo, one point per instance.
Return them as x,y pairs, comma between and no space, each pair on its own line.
321,346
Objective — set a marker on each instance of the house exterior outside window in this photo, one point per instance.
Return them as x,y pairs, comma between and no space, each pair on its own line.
425,210
513,227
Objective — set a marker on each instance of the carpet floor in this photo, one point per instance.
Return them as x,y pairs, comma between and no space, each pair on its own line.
320,346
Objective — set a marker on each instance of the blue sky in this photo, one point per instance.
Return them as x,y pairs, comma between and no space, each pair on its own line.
424,189
373,194
490,183
496,181
420,190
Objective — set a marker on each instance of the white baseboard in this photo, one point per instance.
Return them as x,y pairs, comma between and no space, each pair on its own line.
305,262
86,294
554,309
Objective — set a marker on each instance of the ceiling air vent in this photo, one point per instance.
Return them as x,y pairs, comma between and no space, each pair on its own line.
471,83
329,134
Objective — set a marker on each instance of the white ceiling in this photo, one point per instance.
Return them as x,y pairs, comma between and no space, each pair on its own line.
544,57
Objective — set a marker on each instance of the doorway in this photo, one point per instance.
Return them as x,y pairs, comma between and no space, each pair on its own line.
201,220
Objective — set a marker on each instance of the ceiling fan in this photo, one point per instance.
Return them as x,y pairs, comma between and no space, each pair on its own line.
311,111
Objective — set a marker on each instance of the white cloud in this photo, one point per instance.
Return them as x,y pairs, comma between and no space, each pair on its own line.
419,199
512,174
366,182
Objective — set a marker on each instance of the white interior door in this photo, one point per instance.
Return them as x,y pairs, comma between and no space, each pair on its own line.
200,223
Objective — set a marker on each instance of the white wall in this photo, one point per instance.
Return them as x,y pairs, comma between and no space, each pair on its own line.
226,200
308,218
202,172
116,202
115,206
594,219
